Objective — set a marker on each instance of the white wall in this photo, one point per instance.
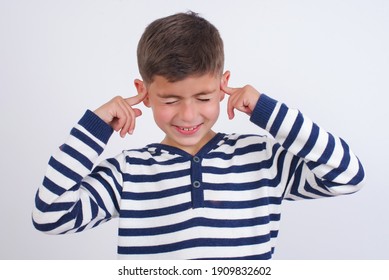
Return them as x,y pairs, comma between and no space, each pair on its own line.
328,58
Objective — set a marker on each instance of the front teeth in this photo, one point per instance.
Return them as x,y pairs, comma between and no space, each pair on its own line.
188,129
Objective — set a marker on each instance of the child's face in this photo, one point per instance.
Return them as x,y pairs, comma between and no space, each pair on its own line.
185,110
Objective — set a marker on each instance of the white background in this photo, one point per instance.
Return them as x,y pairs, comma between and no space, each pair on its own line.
330,59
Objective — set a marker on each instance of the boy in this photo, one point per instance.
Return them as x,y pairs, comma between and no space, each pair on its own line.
198,194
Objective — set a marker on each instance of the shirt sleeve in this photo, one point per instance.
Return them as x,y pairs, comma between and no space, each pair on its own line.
322,164
74,195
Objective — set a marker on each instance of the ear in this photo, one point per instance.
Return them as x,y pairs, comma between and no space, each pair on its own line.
224,83
142,89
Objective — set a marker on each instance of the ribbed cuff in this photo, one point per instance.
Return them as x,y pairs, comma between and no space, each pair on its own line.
263,110
96,126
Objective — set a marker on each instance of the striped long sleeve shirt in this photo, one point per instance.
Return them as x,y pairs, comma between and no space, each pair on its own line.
222,203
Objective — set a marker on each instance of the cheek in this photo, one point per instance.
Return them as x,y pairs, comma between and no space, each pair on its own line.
162,114
212,111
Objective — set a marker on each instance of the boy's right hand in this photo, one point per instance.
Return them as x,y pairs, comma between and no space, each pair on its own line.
119,114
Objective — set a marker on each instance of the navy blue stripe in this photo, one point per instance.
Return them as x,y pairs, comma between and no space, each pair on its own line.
256,147
51,226
198,222
97,197
359,177
260,164
161,148
294,131
156,212
115,163
97,172
94,208
308,188
326,154
193,243
102,221
265,182
329,184
264,256
79,214
278,120
52,187
87,140
152,161
77,155
64,170
232,141
54,207
242,204
79,229
155,195
296,182
311,141
296,161
330,176
256,166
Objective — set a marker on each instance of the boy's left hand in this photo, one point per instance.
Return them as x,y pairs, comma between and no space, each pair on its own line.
243,99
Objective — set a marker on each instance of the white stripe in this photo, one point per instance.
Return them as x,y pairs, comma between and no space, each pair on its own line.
350,172
319,147
155,204
47,217
78,145
205,252
302,137
273,116
136,169
240,195
145,187
90,135
67,160
194,233
287,125
102,191
333,162
217,214
239,160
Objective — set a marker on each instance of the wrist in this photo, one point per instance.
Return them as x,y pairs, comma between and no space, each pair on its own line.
96,126
263,110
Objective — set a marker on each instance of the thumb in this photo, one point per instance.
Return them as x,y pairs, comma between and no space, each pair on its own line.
137,112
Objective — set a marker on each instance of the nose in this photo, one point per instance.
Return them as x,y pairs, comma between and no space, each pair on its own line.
187,112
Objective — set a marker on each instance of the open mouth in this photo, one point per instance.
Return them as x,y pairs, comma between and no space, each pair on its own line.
188,130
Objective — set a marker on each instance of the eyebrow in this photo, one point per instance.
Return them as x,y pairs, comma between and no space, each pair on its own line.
166,96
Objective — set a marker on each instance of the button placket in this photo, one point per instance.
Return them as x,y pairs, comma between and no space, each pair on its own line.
196,180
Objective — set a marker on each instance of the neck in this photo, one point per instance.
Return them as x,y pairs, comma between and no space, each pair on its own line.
190,149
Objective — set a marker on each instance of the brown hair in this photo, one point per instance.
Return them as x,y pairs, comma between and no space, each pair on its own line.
179,46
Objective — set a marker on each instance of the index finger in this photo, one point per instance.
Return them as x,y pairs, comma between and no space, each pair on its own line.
227,89
136,99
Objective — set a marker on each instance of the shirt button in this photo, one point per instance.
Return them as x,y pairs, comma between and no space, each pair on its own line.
196,184
196,159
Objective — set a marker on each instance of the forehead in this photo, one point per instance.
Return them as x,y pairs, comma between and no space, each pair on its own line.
189,86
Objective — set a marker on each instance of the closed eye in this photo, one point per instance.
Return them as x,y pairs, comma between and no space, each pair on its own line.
203,99
170,102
